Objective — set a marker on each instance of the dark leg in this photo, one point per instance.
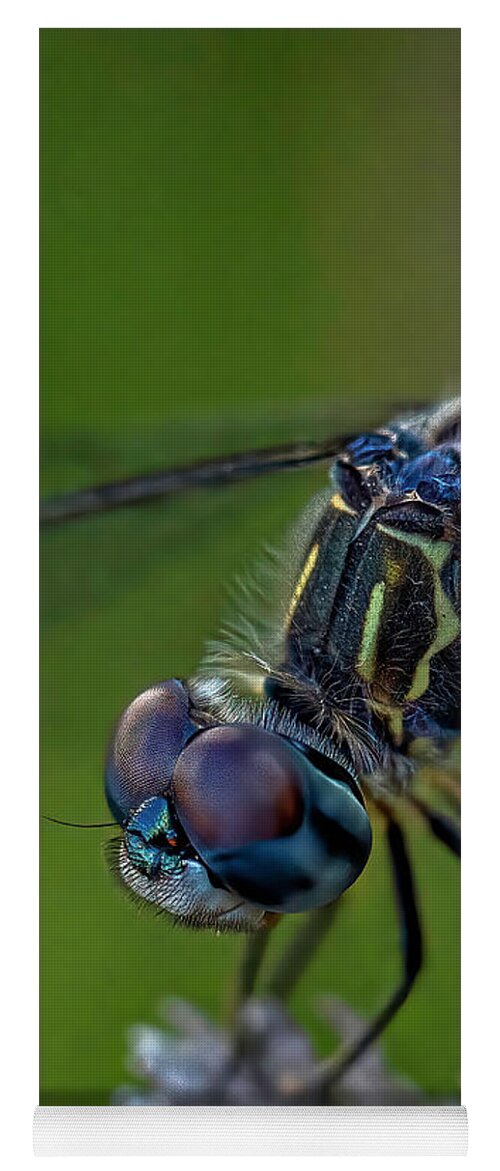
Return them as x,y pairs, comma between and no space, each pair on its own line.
333,1068
284,977
253,954
297,956
443,828
291,963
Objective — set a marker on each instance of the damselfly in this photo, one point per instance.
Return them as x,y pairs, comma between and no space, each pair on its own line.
244,793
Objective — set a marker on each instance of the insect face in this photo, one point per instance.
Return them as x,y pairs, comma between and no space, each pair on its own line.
226,822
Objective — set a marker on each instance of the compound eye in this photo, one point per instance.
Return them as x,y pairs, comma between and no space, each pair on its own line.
146,743
237,785
268,822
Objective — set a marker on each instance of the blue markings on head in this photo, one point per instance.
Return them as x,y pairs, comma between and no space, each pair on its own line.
151,840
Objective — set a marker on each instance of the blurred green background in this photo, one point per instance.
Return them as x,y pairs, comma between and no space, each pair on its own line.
246,237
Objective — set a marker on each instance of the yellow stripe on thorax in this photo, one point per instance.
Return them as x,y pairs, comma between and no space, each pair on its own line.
302,582
337,501
447,620
367,657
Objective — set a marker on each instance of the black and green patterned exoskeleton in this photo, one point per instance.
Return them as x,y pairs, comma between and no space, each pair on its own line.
242,794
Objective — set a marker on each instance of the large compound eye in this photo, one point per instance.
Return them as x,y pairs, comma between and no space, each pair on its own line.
146,743
268,823
236,785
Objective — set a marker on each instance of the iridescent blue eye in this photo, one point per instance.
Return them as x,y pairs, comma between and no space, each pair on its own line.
147,741
268,822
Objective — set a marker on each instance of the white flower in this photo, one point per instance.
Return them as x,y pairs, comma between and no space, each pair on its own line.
255,1064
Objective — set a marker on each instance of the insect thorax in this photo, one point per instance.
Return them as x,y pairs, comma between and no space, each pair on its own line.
366,648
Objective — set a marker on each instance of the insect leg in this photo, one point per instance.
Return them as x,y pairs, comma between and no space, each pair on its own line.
333,1068
253,954
296,957
443,828
292,962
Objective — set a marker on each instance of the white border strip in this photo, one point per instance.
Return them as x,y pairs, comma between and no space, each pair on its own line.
250,1130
